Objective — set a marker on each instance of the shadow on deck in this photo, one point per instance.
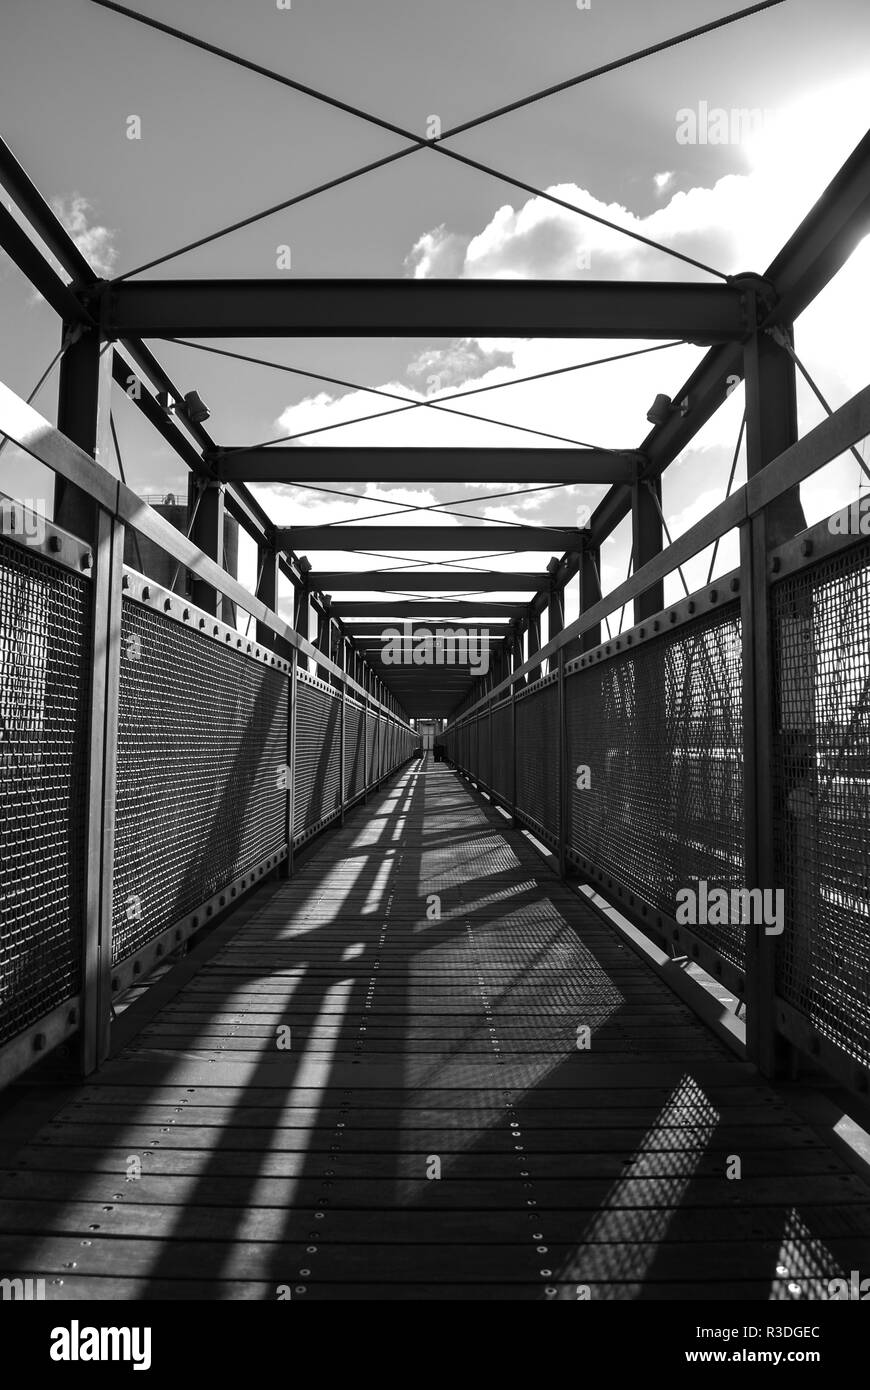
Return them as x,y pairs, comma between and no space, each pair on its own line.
428,1127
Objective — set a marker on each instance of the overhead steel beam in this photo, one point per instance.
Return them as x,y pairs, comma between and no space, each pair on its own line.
365,632
447,538
700,313
420,610
437,465
453,582
416,630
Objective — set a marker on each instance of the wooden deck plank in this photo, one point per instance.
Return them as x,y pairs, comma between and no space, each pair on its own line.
418,1043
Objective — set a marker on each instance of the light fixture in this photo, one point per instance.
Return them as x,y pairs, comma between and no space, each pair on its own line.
660,410
195,408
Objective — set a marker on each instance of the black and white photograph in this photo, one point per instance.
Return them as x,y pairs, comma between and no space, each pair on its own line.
434,680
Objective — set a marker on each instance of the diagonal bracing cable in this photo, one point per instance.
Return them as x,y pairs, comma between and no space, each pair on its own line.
429,403
420,143
781,338
424,506
728,493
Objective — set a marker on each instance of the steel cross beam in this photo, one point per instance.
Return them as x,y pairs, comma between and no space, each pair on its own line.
699,313
400,581
395,465
364,632
447,538
420,609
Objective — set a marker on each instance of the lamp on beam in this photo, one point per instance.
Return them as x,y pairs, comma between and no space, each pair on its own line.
195,408
663,407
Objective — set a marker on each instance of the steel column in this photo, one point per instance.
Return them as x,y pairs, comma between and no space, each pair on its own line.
267,590
84,396
771,426
207,532
105,682
647,541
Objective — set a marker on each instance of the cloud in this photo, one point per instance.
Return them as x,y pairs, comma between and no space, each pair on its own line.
94,241
462,362
438,253
737,224
662,180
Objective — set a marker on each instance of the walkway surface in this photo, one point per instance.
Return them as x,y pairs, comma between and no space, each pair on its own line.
355,1095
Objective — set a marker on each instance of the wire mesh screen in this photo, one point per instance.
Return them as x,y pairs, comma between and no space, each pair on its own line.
202,732
484,759
354,748
538,757
379,747
371,748
316,791
502,751
45,616
655,768
391,746
820,634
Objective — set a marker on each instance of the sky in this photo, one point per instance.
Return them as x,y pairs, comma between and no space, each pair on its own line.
218,143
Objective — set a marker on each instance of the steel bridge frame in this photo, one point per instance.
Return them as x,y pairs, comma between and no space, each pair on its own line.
104,325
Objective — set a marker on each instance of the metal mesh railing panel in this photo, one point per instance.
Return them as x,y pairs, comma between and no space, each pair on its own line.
484,758
502,751
354,749
820,635
660,730
538,757
316,788
45,618
371,747
202,731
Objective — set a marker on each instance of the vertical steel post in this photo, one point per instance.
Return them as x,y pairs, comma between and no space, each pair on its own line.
647,535
102,764
291,759
84,397
771,425
366,715
267,592
563,767
207,533
514,655
83,416
342,762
